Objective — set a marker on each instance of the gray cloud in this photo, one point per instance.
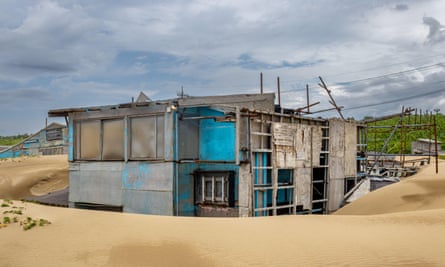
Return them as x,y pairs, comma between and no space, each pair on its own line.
102,52
401,7
436,32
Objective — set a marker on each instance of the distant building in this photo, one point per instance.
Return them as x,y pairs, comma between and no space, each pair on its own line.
233,155
425,146
51,140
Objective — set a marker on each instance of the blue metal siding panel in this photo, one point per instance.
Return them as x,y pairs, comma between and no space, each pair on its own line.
13,154
217,139
186,198
70,141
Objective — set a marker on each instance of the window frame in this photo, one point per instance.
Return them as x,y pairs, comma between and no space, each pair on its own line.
227,195
127,138
130,137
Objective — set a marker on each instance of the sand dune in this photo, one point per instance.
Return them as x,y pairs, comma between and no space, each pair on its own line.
91,238
33,176
423,191
94,238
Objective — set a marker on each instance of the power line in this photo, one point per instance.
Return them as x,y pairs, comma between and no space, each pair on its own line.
397,100
441,64
343,83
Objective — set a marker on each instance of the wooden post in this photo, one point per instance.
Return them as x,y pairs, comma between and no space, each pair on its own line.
307,98
261,82
279,94
435,143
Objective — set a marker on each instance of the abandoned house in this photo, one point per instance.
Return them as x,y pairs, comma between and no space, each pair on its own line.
233,155
51,140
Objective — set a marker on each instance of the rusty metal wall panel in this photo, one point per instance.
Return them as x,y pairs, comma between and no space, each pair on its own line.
143,137
113,140
90,139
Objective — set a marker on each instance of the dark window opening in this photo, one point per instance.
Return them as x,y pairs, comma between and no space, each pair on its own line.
349,184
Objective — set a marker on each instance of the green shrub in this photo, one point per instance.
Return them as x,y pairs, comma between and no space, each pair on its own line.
6,220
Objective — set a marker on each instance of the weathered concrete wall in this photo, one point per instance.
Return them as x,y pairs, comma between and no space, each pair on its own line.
207,211
96,182
245,191
362,190
304,164
304,187
336,164
284,135
350,149
295,148
342,160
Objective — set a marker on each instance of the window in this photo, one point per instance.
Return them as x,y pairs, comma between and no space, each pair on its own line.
216,188
113,140
88,133
105,139
147,137
100,139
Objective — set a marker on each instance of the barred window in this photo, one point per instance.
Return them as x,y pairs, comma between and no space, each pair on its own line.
216,188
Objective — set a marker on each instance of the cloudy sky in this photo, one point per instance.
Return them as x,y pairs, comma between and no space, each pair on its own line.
375,56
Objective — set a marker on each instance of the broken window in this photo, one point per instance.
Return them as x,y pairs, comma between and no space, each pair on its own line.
216,188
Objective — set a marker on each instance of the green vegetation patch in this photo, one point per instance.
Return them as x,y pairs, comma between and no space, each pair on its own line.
377,137
12,139
26,223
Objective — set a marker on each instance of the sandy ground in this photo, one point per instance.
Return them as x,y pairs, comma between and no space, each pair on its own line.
423,191
33,176
93,238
